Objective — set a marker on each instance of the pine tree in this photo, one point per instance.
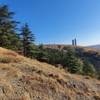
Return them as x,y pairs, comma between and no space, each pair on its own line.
8,36
73,63
28,39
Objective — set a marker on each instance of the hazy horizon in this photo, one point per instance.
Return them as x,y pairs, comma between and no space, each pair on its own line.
60,21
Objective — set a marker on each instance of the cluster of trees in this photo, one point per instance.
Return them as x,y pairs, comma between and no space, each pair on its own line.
68,59
23,42
10,36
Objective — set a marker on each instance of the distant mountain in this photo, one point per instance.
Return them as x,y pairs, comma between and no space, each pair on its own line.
95,46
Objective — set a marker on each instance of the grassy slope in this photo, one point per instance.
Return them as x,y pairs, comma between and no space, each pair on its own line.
25,79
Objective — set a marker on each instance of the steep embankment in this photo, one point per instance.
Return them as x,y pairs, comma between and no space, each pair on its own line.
25,79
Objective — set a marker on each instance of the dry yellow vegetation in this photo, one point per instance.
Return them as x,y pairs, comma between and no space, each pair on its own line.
26,79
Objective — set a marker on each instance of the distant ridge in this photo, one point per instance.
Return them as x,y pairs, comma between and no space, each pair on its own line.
59,46
95,46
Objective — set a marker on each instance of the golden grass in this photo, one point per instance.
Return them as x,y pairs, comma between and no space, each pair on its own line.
26,79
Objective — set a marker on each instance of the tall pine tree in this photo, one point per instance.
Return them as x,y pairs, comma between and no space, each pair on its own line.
28,39
8,36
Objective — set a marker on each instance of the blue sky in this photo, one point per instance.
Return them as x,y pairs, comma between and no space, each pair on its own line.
59,21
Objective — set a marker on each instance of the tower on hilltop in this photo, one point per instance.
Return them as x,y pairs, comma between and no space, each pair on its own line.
74,42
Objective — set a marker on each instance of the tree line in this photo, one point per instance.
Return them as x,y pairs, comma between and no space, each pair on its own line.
23,42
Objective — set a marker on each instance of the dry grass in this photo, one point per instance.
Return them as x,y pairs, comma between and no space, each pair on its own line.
25,79
8,56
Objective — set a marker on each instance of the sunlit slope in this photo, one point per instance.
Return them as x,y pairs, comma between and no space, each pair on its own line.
25,79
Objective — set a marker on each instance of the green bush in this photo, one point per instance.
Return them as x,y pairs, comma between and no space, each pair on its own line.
88,69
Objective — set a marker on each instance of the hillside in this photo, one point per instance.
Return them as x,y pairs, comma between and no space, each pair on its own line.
92,54
25,79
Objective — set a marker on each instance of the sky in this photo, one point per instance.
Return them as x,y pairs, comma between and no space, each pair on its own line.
59,21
